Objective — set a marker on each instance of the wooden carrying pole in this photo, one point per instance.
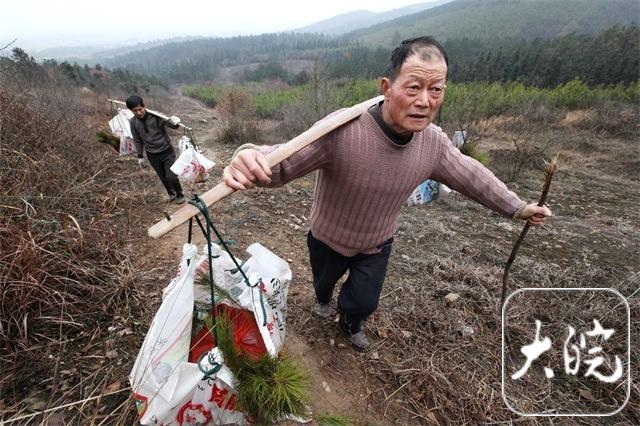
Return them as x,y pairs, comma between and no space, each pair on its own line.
150,111
283,152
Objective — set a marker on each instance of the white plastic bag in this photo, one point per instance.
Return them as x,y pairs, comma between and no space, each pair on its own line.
273,276
266,296
121,127
167,388
170,390
459,137
120,123
184,143
428,191
192,166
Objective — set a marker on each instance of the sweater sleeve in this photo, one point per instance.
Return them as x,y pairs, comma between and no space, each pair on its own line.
471,178
308,159
312,157
136,138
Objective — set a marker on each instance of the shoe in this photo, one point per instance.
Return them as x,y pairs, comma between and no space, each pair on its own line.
171,198
323,310
359,340
180,199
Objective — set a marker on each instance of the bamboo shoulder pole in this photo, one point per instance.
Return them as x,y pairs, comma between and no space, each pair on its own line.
283,152
150,111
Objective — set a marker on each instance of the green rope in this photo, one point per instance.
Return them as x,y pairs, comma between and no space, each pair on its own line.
201,205
215,366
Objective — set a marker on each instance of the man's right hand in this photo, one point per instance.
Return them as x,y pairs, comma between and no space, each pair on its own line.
248,168
142,163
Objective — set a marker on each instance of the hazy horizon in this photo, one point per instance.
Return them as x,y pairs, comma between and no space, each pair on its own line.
39,26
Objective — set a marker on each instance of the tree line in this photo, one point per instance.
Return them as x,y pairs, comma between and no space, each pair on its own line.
609,57
97,78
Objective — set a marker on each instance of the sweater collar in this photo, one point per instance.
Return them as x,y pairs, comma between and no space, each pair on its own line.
396,138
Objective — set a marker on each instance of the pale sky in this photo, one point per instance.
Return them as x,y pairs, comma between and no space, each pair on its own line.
41,24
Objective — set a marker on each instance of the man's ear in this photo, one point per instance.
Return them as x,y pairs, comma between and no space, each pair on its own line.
385,86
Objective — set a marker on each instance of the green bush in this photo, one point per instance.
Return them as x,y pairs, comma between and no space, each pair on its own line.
355,91
472,150
271,104
479,100
206,93
269,71
466,104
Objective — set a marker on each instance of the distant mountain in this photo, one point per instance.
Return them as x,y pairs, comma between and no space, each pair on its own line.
351,21
71,52
503,19
94,54
466,27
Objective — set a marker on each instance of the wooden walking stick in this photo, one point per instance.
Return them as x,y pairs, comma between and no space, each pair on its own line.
549,169
283,152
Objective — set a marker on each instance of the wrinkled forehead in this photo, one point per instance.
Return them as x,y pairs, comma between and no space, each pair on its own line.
432,68
427,53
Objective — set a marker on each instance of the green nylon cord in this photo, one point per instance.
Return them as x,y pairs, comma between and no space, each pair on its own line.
215,366
197,202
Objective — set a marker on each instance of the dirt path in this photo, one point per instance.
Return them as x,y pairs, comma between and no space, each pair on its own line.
333,391
428,361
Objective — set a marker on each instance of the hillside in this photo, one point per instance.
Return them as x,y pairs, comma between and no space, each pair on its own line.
82,280
491,19
489,25
351,21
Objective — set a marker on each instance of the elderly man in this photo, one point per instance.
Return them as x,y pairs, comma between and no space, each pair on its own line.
366,171
149,133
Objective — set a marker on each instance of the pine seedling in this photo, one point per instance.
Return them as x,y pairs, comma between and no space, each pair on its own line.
268,387
106,137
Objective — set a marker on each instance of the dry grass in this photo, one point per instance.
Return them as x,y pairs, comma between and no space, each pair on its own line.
65,275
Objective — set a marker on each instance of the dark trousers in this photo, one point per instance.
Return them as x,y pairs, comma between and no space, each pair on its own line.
360,294
161,163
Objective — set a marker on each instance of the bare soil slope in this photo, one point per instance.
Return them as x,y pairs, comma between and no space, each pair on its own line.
431,362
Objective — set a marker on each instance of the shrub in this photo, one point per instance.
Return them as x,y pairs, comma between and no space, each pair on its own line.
268,387
65,270
206,93
238,118
472,150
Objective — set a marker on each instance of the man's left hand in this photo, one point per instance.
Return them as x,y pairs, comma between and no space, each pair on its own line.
174,120
535,214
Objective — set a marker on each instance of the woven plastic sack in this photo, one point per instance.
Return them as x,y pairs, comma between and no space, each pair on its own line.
265,296
121,127
192,166
167,388
272,275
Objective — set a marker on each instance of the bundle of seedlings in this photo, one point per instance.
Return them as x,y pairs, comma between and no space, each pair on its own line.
106,137
269,387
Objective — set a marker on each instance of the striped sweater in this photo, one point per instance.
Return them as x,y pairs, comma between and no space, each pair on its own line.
364,179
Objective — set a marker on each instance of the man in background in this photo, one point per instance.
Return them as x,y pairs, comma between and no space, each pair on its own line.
149,132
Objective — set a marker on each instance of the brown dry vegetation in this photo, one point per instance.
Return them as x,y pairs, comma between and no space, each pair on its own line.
432,363
80,279
66,264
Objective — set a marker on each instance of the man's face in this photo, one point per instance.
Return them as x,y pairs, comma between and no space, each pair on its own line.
138,111
412,100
